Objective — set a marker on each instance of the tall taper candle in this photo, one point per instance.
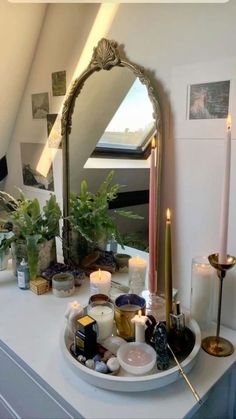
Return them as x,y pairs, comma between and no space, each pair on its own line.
168,270
152,221
224,219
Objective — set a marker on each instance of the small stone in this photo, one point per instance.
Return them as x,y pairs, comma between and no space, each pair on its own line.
90,364
97,358
81,359
113,364
100,366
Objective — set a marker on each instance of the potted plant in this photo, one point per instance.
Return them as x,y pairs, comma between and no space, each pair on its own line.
34,230
91,219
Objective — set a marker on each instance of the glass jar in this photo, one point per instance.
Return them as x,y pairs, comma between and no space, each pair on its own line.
63,284
202,278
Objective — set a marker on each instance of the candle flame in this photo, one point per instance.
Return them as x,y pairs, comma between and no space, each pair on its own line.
140,313
153,144
168,214
75,304
228,121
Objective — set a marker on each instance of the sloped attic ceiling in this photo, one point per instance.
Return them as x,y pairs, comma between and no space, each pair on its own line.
20,26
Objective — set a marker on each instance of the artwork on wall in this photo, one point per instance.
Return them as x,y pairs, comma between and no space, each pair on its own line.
31,155
40,105
59,83
202,95
54,130
209,100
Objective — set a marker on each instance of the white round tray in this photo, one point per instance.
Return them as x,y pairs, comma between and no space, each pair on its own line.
131,383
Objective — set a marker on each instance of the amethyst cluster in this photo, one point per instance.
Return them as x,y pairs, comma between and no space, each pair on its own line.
79,274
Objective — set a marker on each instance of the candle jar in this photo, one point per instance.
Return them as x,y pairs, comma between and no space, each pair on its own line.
103,313
137,274
63,284
126,307
202,277
100,282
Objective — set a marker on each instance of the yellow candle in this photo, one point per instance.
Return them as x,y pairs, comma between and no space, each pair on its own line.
168,270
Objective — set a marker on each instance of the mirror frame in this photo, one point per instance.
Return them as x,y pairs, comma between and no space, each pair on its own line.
105,56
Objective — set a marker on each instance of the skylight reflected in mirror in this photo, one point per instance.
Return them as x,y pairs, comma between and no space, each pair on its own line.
132,125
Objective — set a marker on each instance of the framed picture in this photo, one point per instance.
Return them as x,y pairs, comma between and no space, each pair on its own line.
209,100
31,155
202,95
59,83
40,105
54,130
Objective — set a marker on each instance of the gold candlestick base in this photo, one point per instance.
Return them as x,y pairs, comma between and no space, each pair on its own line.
216,345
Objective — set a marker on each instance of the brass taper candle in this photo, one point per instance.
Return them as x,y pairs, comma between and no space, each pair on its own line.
168,270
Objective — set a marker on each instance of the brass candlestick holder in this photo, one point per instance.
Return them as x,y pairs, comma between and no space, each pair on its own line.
216,345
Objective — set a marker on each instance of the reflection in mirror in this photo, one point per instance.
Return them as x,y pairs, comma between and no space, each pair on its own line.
112,105
131,126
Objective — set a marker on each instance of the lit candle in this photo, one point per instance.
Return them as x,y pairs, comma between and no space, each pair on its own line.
224,219
139,322
168,270
137,274
100,282
152,220
104,316
74,311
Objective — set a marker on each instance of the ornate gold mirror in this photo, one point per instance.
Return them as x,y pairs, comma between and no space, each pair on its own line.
92,103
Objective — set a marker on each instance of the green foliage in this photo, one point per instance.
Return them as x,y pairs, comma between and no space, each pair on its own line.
30,224
89,212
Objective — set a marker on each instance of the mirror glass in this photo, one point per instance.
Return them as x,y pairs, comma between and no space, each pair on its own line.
111,106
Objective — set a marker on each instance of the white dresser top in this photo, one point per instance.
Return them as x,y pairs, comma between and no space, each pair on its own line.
31,326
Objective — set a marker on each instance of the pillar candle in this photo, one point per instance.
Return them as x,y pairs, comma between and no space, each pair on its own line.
139,322
137,274
152,220
224,218
168,270
100,282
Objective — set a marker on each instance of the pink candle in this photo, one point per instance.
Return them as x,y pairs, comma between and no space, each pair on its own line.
224,218
152,220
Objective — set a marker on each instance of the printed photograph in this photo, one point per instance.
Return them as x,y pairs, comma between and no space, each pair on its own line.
40,105
209,100
54,130
31,154
59,83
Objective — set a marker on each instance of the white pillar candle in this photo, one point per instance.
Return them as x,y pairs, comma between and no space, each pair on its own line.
137,274
104,316
139,323
202,292
73,312
224,219
100,282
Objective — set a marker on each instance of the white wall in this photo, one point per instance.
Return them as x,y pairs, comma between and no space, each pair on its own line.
19,30
161,38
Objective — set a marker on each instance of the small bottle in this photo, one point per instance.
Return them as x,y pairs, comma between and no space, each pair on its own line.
113,244
23,275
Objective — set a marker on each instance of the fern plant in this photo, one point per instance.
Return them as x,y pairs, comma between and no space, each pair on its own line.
30,224
89,212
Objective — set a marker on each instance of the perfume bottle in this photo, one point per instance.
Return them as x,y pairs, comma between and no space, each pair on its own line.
86,337
180,337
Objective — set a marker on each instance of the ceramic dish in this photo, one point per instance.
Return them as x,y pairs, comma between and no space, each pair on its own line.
125,382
